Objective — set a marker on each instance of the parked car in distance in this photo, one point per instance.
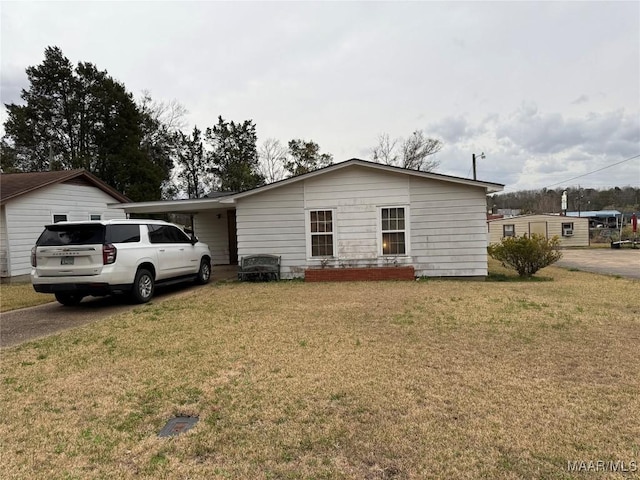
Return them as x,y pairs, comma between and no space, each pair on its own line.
76,259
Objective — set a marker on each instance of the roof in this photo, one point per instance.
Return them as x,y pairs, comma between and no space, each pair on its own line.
516,217
489,186
221,200
594,213
13,185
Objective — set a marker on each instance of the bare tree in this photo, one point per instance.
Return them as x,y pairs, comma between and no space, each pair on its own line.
171,114
385,150
412,153
417,148
272,156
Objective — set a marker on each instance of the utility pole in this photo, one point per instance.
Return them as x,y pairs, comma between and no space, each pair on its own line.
473,157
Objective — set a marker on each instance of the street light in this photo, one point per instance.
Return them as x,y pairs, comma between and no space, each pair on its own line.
473,156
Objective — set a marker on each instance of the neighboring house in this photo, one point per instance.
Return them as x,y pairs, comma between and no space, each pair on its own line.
572,232
351,214
29,201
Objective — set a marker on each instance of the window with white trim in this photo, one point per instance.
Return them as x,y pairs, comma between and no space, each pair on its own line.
322,233
95,216
59,217
393,228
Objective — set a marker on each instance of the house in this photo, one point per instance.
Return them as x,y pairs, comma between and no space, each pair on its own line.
572,231
347,215
29,201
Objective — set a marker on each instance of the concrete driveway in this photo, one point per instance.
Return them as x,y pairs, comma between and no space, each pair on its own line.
624,262
19,326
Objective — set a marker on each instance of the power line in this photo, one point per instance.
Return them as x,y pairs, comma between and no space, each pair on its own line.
594,171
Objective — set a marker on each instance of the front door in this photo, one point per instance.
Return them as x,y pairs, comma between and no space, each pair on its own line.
233,237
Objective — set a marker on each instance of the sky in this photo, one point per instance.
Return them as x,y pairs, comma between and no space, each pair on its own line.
548,91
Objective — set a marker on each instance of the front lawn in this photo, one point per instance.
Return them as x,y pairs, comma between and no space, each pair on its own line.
430,379
21,295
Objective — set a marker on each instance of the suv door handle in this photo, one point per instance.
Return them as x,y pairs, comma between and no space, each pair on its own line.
161,249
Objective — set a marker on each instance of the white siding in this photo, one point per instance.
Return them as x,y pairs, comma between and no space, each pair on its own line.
27,215
4,245
214,232
273,223
448,229
356,194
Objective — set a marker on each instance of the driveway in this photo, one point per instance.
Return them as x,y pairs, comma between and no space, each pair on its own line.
19,326
624,262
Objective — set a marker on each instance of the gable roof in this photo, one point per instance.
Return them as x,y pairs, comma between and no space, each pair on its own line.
491,187
220,200
13,185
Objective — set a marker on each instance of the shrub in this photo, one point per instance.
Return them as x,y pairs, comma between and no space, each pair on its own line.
525,254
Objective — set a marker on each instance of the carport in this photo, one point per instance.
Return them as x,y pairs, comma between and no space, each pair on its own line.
213,222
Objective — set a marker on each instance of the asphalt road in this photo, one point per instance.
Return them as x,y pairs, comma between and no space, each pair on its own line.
19,326
624,262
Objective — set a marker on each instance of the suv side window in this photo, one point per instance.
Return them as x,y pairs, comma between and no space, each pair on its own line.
123,233
178,235
167,234
158,234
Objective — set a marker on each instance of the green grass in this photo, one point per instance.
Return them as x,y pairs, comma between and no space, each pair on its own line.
438,379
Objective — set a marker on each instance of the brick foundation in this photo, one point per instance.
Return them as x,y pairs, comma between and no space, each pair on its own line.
358,274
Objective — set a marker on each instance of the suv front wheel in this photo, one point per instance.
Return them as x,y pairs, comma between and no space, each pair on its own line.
204,274
143,286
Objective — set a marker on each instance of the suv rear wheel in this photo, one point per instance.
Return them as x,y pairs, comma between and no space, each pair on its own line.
143,286
204,274
69,299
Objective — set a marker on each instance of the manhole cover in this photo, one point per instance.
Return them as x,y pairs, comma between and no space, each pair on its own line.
177,425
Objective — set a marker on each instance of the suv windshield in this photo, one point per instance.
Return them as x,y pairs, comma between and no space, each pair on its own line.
58,235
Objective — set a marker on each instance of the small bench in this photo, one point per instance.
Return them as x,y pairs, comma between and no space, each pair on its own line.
259,267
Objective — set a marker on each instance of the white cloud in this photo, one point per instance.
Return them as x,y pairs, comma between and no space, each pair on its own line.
536,86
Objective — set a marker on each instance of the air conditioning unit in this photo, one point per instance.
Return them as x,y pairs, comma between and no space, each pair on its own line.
568,232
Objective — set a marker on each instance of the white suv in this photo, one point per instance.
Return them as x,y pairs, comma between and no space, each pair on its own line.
76,259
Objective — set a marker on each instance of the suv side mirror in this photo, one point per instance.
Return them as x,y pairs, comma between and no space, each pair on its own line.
194,239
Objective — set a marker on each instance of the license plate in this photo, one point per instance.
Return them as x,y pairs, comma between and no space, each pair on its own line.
66,260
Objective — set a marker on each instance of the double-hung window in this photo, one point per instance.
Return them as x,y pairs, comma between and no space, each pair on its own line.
394,231
322,233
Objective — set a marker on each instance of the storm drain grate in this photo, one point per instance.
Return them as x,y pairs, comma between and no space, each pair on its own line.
177,425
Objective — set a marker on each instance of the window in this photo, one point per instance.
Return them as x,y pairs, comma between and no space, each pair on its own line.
167,234
95,216
393,231
509,230
59,217
60,235
123,233
322,234
567,229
